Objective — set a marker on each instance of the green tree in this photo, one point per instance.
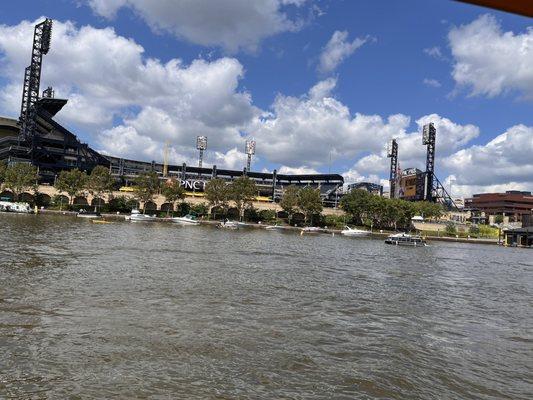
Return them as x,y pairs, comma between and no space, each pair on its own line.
200,209
309,202
72,182
428,209
217,194
243,192
356,204
451,230
100,182
172,191
19,178
147,185
289,201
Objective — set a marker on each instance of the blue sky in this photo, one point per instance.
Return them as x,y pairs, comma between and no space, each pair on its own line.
247,69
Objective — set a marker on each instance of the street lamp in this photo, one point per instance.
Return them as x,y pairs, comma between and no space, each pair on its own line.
201,145
250,151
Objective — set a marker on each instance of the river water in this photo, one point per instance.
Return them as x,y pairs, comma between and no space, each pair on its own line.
157,311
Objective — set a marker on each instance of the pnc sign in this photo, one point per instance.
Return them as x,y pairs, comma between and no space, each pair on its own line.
193,185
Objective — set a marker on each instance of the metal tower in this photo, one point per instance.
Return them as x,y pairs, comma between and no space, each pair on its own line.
32,77
392,153
250,151
429,134
201,145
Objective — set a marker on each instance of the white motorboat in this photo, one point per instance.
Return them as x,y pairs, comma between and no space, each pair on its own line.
312,229
88,214
15,207
347,231
186,220
136,215
404,239
274,227
227,224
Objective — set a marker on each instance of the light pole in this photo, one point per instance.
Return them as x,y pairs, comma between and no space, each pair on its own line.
250,151
201,145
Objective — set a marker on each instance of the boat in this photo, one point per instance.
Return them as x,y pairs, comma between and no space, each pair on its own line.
136,215
312,229
404,239
347,231
15,207
88,214
189,219
227,224
274,227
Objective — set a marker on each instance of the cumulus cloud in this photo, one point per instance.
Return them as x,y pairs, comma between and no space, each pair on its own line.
154,101
337,50
306,130
490,61
297,170
505,160
231,24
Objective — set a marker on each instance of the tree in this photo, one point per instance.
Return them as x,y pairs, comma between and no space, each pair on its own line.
242,191
100,182
72,182
289,201
309,202
19,178
172,191
3,167
147,185
356,204
428,209
217,193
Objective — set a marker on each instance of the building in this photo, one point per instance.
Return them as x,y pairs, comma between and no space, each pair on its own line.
370,187
513,204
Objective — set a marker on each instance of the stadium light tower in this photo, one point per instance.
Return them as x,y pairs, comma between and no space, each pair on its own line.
429,134
392,153
201,145
250,151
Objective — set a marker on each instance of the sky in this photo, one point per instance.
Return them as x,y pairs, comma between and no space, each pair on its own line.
320,85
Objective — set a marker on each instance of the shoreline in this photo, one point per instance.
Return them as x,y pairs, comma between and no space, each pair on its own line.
121,217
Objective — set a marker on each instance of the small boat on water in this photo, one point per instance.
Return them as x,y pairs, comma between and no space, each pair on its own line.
347,231
312,229
15,207
189,219
227,224
274,227
136,215
404,239
88,214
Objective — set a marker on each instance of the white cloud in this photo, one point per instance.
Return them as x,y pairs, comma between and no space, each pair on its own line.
297,170
307,130
156,101
491,62
505,161
232,159
231,24
337,50
431,82
435,52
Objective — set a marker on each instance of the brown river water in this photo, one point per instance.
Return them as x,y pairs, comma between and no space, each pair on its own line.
157,311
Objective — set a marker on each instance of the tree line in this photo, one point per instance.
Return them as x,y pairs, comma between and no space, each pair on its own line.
362,207
367,209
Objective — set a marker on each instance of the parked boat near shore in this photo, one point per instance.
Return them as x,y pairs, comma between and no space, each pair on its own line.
15,207
347,231
404,239
137,216
189,219
88,214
